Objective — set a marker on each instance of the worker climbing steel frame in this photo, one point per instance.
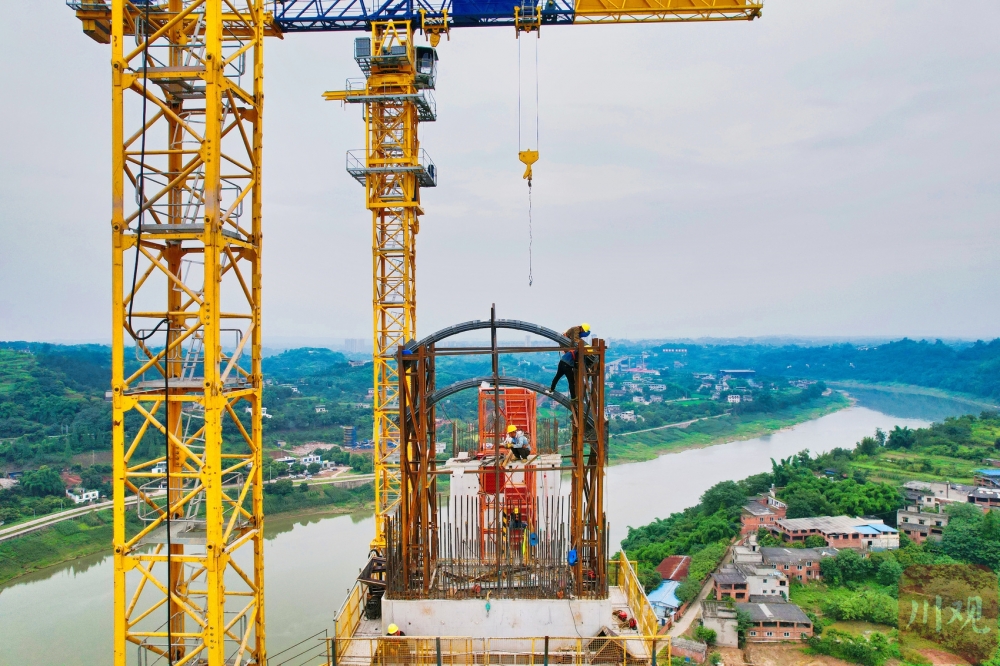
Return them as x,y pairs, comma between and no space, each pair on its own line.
413,539
392,170
191,174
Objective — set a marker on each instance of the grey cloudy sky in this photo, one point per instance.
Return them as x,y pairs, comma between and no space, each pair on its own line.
831,169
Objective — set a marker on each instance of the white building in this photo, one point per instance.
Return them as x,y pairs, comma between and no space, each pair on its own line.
659,388
310,459
81,496
733,399
320,409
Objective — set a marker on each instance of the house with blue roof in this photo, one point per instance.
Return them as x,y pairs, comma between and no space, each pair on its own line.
663,600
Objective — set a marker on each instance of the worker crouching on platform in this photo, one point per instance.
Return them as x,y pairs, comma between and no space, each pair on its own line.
518,444
567,364
393,630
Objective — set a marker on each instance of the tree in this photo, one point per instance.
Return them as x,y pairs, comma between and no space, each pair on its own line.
815,541
889,572
314,468
280,488
868,446
43,481
901,438
705,635
724,495
852,566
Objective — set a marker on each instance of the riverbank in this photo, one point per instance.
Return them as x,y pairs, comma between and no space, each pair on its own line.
92,532
912,389
649,444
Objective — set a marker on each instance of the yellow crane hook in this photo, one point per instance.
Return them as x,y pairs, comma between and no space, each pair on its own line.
529,157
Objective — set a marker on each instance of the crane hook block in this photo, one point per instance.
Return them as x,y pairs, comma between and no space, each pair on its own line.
529,157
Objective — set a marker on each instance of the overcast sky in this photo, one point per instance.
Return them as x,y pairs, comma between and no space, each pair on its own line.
828,170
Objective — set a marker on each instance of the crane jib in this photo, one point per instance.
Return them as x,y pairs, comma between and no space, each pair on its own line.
356,15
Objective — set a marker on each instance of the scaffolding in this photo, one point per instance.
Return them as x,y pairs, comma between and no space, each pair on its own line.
559,547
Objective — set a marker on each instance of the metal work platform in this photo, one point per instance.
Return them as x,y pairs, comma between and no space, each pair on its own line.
424,168
358,93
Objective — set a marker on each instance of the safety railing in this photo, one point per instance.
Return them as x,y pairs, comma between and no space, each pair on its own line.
311,651
527,651
348,618
628,581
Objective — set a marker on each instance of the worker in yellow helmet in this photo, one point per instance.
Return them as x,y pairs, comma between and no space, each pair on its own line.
393,630
517,443
567,364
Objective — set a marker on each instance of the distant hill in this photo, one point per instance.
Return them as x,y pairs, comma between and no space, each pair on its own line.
972,368
52,401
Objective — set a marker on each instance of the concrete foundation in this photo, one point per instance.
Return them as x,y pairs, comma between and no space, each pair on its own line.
506,618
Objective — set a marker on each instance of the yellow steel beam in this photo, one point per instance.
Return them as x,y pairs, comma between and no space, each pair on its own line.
195,604
659,11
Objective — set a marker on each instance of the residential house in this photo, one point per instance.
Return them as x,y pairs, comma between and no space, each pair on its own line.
82,496
739,581
801,564
987,478
659,388
310,459
721,618
932,495
840,532
612,409
320,409
733,399
985,498
674,567
764,511
920,525
656,398
774,622
663,600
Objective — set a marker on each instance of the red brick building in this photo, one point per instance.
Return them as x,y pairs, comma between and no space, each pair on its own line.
798,563
764,512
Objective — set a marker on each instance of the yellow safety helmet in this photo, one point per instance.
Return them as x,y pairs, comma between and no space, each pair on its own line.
584,330
511,428
392,629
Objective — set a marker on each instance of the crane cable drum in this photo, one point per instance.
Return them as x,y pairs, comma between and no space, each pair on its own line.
530,156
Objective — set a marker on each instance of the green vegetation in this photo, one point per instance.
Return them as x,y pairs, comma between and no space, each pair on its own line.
68,540
285,497
872,650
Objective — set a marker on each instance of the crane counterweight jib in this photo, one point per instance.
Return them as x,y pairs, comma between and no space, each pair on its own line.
357,15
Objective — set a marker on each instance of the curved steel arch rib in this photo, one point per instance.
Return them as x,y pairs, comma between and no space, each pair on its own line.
465,384
478,324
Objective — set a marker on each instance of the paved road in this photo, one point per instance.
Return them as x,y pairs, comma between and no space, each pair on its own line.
694,610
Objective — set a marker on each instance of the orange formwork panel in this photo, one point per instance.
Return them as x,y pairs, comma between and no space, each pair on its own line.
518,407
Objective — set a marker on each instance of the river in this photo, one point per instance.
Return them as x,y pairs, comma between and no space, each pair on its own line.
62,615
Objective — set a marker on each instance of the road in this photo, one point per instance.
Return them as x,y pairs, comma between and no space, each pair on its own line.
51,519
681,424
694,610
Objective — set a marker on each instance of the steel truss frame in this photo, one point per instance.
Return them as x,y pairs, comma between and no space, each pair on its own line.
392,174
413,553
189,575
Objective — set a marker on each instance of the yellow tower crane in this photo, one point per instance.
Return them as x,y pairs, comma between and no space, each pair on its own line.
187,111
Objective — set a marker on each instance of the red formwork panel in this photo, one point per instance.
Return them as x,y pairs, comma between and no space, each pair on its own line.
518,407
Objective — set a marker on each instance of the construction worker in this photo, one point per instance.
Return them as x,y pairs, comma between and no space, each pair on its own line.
393,630
513,442
575,333
567,364
518,443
